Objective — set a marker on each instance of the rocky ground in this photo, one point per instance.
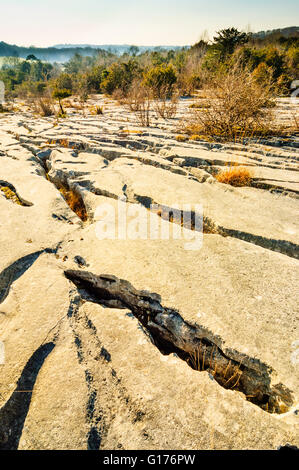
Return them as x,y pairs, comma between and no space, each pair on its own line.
210,364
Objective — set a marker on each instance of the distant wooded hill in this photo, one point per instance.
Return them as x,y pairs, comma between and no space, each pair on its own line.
285,32
64,52
48,54
119,48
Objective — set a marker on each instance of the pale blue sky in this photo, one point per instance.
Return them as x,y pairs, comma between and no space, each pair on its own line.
153,22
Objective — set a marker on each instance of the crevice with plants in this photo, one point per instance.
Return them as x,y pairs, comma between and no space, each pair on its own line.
10,193
193,343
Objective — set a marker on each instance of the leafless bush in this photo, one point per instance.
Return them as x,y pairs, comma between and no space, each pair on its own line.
119,96
235,105
144,112
134,96
166,107
139,101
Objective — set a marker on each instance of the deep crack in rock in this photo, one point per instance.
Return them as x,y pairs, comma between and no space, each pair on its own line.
196,345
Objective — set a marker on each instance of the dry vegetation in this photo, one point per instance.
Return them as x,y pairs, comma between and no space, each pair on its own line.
235,176
235,77
45,107
75,202
236,106
139,101
166,106
11,195
181,138
96,110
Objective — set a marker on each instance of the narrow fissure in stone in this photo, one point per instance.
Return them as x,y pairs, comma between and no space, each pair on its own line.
196,345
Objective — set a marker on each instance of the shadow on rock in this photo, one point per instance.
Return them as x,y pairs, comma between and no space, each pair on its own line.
14,412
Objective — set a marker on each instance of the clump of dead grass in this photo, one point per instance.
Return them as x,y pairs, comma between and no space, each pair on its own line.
45,107
75,202
181,138
200,105
197,137
11,195
235,176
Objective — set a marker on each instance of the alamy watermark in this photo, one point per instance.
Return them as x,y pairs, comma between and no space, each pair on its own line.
124,221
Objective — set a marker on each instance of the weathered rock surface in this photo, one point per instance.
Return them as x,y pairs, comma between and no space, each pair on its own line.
82,375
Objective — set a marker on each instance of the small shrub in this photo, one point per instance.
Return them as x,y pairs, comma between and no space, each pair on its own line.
139,100
235,176
64,143
166,107
161,80
262,73
119,77
135,96
144,112
237,106
295,119
61,94
283,84
188,81
64,82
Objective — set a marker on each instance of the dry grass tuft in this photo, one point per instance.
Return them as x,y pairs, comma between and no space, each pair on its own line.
96,110
45,107
181,138
196,137
75,202
235,176
131,131
200,105
11,195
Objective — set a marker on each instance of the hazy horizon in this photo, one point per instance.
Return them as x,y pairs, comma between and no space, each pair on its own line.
159,22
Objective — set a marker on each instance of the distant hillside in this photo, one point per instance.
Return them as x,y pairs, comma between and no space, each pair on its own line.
62,53
118,48
285,32
49,54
